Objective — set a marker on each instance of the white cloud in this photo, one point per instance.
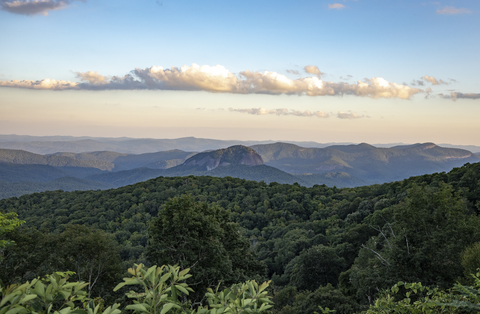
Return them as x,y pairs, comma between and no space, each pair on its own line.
452,11
92,77
348,115
337,6
282,112
33,7
433,80
219,79
312,69
210,78
43,84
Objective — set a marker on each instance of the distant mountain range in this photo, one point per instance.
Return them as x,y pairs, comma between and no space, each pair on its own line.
126,145
23,172
365,162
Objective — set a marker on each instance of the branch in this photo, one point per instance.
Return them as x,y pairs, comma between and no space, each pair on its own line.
380,230
378,255
389,225
408,248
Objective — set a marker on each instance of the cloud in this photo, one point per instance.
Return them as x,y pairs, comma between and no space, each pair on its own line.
416,82
209,78
43,84
293,72
433,80
282,112
337,6
92,77
218,79
312,69
348,115
33,7
452,11
455,95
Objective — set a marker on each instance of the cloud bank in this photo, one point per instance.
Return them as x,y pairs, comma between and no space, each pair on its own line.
348,115
218,79
33,7
455,95
282,112
286,112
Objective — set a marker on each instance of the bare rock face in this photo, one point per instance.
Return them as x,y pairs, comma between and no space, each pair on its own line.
251,159
330,167
207,161
234,155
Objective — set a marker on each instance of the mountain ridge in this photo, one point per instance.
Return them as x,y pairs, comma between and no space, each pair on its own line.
234,155
337,165
44,145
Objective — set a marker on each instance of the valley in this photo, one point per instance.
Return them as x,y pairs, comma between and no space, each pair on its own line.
348,165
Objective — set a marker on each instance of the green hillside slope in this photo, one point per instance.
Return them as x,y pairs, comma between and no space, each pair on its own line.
257,173
106,156
41,173
26,158
11,189
365,162
122,161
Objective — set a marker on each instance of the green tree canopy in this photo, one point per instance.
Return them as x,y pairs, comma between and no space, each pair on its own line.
92,254
201,237
317,266
424,242
8,223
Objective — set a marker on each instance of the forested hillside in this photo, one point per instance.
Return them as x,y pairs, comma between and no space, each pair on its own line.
364,162
320,245
20,157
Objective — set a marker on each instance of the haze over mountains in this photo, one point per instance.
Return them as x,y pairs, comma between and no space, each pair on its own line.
54,144
23,172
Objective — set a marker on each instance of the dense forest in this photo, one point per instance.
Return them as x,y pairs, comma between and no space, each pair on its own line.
319,246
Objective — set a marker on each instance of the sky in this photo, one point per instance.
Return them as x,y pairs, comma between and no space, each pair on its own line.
375,71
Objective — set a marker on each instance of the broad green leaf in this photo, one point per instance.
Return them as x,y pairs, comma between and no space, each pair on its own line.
65,310
150,274
265,307
166,308
112,309
183,272
17,310
65,294
27,298
182,289
6,299
263,286
137,307
39,289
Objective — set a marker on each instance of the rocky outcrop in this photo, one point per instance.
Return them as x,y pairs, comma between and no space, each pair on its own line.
234,155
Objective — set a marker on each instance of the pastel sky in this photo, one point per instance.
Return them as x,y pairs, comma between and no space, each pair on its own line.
375,71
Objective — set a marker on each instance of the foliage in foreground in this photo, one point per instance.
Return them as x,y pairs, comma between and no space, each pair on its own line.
162,290
421,299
